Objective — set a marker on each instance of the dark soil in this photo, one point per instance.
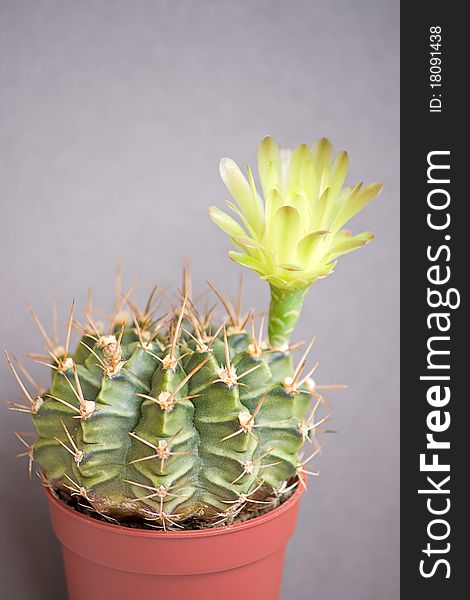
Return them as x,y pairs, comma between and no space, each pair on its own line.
82,506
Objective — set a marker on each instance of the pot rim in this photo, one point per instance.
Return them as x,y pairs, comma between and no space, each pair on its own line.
191,533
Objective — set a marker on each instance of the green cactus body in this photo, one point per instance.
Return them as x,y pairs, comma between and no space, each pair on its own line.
171,429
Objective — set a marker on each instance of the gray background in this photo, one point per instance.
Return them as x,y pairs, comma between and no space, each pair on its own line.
113,117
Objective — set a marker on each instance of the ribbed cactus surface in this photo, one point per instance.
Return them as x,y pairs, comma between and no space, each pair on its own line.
173,419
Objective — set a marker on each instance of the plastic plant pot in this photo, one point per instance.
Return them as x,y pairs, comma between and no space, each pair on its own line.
244,560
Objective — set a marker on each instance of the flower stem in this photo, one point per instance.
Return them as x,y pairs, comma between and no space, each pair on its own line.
284,312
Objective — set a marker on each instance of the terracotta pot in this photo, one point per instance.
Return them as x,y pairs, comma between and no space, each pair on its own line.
238,562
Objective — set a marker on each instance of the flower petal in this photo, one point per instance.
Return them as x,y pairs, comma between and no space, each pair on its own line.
285,234
321,151
225,222
338,172
269,165
246,261
321,211
306,248
242,193
248,242
234,208
290,267
358,199
349,244
299,159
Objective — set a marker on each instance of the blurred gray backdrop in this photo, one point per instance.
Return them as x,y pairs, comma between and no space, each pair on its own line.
113,116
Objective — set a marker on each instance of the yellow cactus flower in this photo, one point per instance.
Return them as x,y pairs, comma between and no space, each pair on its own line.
294,234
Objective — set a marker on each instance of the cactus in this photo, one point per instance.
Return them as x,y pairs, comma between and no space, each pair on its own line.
183,421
